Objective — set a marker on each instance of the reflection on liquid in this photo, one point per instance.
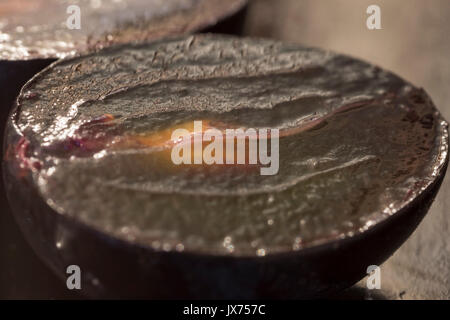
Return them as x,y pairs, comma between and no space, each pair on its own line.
356,143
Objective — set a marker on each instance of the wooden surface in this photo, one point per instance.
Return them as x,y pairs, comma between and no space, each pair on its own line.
414,43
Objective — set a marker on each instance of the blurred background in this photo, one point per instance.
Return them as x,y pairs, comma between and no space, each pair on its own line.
414,43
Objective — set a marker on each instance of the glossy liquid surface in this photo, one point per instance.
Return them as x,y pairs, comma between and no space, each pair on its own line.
37,29
363,144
